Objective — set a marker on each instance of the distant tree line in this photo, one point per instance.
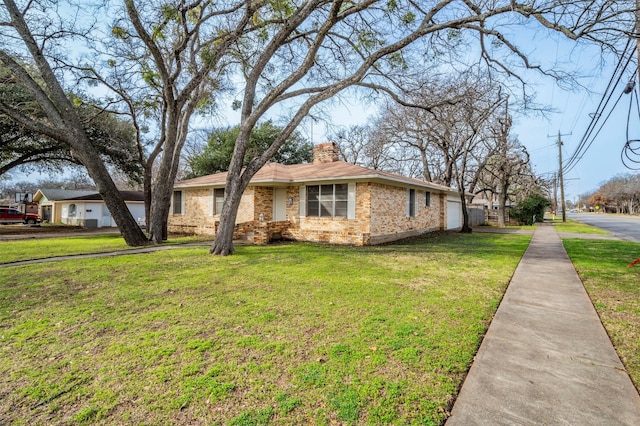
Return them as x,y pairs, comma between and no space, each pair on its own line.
620,194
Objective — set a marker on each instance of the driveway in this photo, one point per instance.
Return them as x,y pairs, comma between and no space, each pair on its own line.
622,226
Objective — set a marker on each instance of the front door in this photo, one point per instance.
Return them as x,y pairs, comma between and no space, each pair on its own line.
279,204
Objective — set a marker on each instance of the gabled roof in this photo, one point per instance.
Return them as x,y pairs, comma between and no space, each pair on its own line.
59,194
275,173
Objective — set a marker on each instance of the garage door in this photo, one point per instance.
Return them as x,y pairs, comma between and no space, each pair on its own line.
454,214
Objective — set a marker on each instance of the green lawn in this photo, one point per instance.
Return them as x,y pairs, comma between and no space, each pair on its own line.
614,289
280,334
38,248
577,227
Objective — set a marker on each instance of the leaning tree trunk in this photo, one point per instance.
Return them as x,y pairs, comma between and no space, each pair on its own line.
84,152
66,126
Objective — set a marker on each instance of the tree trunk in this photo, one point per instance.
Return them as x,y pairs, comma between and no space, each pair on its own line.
426,172
160,205
502,207
148,195
174,135
127,225
466,229
501,212
223,243
237,181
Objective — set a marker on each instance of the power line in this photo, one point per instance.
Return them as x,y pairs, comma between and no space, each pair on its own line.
588,138
571,165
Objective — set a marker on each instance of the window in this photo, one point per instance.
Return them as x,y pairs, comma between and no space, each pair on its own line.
218,200
411,203
327,200
427,199
177,202
72,210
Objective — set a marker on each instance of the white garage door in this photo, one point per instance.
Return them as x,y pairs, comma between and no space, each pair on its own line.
454,214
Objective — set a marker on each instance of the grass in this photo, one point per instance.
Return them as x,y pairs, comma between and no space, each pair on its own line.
577,228
281,334
39,248
614,289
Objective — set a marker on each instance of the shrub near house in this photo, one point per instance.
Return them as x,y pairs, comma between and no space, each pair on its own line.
325,201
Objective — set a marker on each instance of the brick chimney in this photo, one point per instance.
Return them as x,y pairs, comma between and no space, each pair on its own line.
325,153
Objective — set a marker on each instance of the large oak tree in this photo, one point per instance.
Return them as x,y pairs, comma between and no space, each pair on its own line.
28,31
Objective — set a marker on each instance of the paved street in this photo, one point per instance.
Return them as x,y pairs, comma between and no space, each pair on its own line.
625,227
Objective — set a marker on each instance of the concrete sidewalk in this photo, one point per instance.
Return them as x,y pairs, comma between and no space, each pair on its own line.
546,358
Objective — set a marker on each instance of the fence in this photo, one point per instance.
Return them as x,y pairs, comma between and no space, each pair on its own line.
476,216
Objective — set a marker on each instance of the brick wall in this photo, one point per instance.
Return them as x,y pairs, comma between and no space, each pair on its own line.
198,217
263,203
389,213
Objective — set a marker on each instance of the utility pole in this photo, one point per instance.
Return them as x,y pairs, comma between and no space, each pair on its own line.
555,193
560,175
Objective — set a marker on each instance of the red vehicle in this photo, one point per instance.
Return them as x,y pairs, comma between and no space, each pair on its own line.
9,215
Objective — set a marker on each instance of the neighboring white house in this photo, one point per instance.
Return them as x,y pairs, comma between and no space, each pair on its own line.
84,208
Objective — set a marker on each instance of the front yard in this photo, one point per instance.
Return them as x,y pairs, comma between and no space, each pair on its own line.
614,289
282,334
613,286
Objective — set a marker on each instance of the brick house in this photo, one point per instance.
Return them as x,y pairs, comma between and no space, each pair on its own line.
326,201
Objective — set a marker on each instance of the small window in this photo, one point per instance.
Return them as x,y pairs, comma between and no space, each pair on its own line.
177,202
73,210
427,199
218,200
411,203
